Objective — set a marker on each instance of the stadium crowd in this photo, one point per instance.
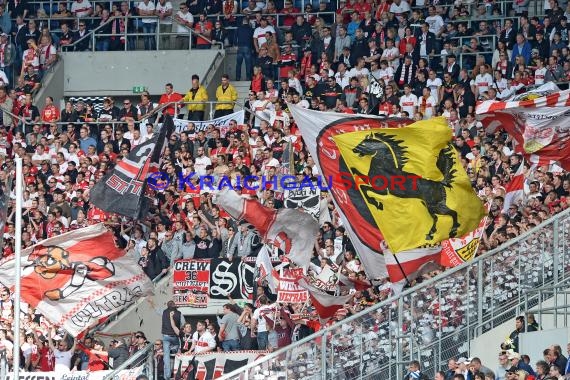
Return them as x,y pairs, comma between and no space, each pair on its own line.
510,365
381,58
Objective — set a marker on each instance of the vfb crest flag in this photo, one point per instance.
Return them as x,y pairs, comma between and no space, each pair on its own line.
407,179
318,129
77,278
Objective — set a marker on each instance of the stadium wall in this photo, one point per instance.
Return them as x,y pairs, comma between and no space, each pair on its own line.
116,73
487,345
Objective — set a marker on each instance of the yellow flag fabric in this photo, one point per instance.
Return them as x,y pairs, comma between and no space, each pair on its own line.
413,183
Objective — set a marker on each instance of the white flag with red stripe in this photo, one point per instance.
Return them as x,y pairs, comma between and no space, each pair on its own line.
539,122
77,278
514,189
325,304
266,271
292,230
406,264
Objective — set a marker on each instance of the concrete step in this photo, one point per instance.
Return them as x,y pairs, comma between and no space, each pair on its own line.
242,88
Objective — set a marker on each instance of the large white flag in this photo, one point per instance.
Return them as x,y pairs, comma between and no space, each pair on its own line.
77,278
265,267
292,230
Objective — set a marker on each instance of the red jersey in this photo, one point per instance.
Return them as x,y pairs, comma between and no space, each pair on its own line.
96,215
47,359
97,362
202,28
194,194
50,114
168,98
258,83
289,60
290,19
362,7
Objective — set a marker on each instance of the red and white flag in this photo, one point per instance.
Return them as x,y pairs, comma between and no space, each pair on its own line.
514,189
292,230
539,122
347,282
325,304
456,251
77,278
406,264
266,271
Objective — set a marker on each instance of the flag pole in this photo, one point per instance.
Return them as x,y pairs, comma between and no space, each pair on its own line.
18,267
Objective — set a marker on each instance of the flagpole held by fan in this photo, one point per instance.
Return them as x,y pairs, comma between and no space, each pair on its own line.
18,259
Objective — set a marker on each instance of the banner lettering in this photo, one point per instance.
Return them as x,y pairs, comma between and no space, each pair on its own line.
457,251
213,365
197,282
307,198
326,280
126,374
191,283
233,278
288,290
221,123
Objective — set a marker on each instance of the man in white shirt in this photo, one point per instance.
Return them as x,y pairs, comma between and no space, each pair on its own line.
184,23
61,352
164,11
435,22
483,81
342,77
262,107
40,155
426,104
434,83
500,84
201,162
540,72
399,7
72,154
81,8
259,324
391,54
359,70
386,73
147,8
202,339
259,34
408,101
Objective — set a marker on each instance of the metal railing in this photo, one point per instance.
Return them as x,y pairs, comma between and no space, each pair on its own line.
144,357
129,37
559,294
25,125
502,5
432,322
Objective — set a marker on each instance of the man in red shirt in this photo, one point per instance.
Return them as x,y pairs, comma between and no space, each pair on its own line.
290,10
204,28
98,358
47,358
50,113
170,97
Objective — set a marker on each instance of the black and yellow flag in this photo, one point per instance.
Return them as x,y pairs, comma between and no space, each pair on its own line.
412,183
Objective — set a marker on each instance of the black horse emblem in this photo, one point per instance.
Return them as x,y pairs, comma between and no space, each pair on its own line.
388,160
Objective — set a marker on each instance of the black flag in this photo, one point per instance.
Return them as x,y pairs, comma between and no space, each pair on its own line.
375,93
123,189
